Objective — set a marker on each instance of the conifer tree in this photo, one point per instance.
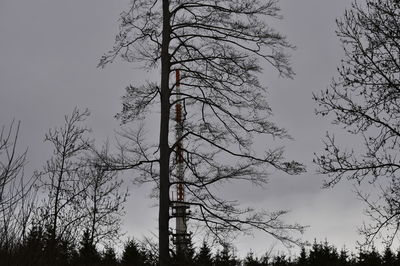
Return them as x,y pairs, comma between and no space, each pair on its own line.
302,260
343,257
109,257
88,255
388,258
204,257
225,257
369,258
133,254
250,260
281,260
33,247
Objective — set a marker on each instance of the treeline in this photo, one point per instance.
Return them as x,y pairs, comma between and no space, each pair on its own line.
318,254
39,249
36,251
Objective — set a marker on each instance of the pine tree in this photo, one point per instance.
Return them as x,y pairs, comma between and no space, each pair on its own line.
388,258
343,257
204,257
281,260
302,260
32,249
264,261
133,254
225,258
250,260
371,258
323,254
88,255
109,257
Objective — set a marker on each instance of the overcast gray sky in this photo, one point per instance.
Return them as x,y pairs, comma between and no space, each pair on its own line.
49,50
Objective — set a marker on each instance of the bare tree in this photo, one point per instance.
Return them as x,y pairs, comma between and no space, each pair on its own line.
102,202
215,45
364,99
12,164
16,193
60,177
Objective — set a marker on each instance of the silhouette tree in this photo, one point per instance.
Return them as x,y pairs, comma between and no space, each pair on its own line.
343,257
204,257
60,180
28,252
250,260
102,202
215,46
12,163
265,260
364,99
33,247
281,260
225,257
88,255
134,255
388,258
302,260
323,254
185,257
369,258
16,194
109,257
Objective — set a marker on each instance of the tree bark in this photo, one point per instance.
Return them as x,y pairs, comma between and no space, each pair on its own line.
163,219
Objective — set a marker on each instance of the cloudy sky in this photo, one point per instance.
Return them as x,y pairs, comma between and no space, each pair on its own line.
49,50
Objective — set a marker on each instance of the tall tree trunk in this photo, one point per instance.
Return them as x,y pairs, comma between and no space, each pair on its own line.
163,218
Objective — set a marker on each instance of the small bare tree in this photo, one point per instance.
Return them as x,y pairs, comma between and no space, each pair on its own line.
12,164
102,203
60,176
215,45
16,193
364,99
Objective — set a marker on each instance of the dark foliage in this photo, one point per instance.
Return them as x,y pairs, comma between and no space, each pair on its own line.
109,257
88,255
35,252
225,257
134,254
204,257
250,260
